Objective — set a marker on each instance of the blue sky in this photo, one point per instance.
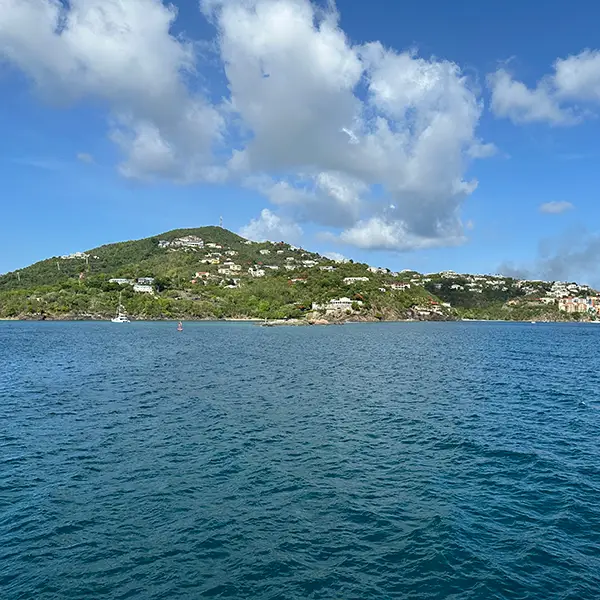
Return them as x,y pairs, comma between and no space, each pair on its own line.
120,123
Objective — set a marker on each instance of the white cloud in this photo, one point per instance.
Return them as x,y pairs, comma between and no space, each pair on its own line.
555,207
336,256
293,77
577,77
330,132
270,226
123,54
378,234
556,98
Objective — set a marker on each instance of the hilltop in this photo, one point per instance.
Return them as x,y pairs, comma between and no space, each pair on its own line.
211,273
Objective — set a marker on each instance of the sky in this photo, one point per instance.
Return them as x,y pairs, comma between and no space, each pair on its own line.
427,135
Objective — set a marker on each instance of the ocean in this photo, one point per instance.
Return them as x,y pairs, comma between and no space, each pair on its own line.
369,461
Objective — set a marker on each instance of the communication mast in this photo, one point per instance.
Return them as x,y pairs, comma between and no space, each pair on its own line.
221,222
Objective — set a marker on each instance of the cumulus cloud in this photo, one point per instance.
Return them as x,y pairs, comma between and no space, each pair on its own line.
559,98
379,234
294,76
555,208
330,132
270,226
123,54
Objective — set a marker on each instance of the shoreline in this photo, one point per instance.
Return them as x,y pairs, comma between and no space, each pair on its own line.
283,322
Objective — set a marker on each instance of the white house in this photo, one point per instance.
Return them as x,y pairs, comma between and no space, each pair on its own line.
74,255
336,305
349,280
145,280
400,286
202,274
187,241
120,281
376,270
327,268
256,272
143,289
265,251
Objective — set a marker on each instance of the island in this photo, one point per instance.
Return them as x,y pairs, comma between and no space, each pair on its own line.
212,273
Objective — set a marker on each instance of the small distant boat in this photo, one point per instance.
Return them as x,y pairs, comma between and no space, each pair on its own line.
180,326
121,316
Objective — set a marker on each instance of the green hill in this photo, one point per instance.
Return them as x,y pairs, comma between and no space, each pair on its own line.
210,272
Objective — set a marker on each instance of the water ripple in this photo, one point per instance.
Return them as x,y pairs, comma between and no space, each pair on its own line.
417,461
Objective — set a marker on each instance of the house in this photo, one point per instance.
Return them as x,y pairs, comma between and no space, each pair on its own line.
298,280
145,280
187,241
327,268
280,251
74,255
400,286
265,251
290,267
290,259
202,274
231,265
120,281
231,253
233,283
256,272
272,267
214,246
309,263
143,289
377,270
349,280
210,261
336,305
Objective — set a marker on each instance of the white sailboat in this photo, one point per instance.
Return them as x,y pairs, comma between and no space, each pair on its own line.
121,314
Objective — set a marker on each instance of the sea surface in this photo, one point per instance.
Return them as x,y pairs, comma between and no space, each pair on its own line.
370,461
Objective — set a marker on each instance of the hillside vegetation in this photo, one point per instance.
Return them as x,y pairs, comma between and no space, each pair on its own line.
231,277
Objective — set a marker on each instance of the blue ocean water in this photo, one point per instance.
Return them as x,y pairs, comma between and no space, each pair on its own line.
369,461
